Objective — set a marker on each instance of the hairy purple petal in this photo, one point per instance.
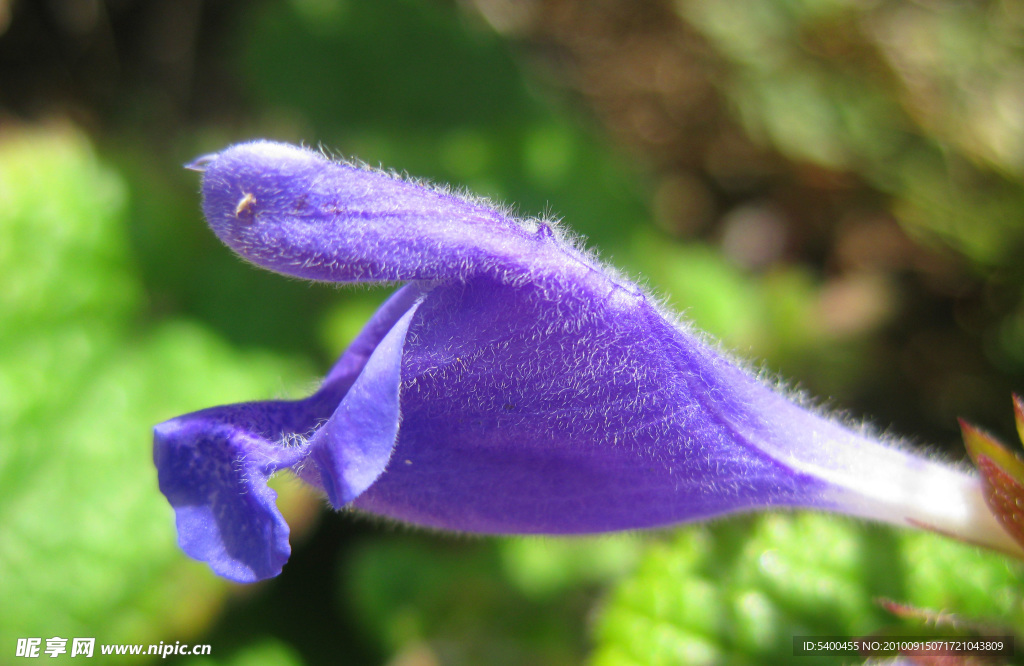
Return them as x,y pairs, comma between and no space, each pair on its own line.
530,415
213,465
514,386
353,448
293,211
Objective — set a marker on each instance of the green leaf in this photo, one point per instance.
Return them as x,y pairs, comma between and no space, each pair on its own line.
737,591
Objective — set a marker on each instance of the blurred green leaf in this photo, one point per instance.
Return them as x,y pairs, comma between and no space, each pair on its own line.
452,600
737,591
542,567
410,66
88,545
921,101
266,652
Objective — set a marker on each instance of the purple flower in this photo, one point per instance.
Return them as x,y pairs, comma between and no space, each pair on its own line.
512,385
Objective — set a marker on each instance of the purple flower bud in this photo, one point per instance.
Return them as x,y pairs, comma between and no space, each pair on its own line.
514,385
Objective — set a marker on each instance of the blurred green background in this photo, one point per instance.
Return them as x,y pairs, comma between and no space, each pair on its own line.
833,188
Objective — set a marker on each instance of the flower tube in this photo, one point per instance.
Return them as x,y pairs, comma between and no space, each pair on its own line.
513,385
